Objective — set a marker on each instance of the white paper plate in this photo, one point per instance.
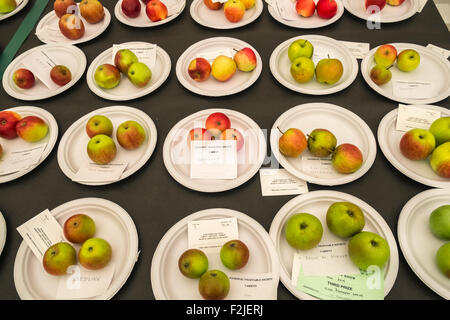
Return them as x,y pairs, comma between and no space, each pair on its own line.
127,90
47,29
280,65
113,224
317,203
433,68
389,140
72,152
176,152
389,13
216,18
68,55
2,233
312,22
20,6
418,244
167,281
20,144
142,21
344,124
211,87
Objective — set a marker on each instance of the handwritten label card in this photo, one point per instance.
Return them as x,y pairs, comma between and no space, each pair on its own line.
413,89
317,167
277,182
40,62
92,172
210,235
19,160
411,117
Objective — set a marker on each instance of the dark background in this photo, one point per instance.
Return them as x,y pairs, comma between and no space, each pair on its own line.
153,199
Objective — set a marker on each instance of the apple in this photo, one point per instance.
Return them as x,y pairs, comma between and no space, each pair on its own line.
71,26
408,60
394,2
218,120
214,285
303,231
379,3
326,9
440,129
302,69
300,48
130,135
23,78
212,5
223,68
95,253
380,74
61,7
193,263
156,10
212,134
292,142
58,258
385,55
245,60
347,158
199,69
305,8
440,160
234,134
440,222
60,75
99,124
234,254
101,149
8,122
234,10
329,71
248,4
31,129
123,59
345,219
321,142
7,5
196,134
368,249
107,76
92,11
79,228
443,259
131,8
417,144
139,74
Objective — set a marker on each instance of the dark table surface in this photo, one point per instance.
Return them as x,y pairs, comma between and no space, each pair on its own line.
154,200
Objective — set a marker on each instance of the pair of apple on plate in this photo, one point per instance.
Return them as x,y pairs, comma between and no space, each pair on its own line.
214,284
234,10
25,79
326,9
439,223
154,9
7,6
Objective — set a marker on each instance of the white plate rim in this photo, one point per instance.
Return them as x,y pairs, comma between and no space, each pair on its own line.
16,10
19,282
411,13
3,232
297,88
390,277
368,161
150,149
157,287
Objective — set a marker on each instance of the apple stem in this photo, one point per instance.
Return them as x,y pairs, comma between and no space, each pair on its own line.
235,49
280,130
328,56
390,67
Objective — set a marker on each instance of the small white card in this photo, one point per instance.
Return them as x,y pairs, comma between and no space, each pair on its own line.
253,286
317,167
221,1
411,117
413,89
211,55
279,182
40,62
215,159
41,232
422,4
173,6
19,160
210,235
359,49
286,9
444,52
92,172
146,53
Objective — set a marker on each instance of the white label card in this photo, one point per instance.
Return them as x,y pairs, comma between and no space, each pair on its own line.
146,53
411,117
41,232
210,235
359,49
278,182
444,52
40,62
211,55
286,9
253,287
413,89
92,172
317,167
19,160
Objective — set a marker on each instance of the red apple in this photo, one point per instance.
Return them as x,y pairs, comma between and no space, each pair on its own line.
379,3
245,59
131,8
61,6
23,78
234,134
156,10
305,8
60,75
212,5
218,120
327,9
195,134
199,69
212,134
71,26
234,10
8,122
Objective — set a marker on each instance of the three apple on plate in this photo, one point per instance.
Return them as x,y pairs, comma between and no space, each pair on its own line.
25,79
154,9
326,9
234,10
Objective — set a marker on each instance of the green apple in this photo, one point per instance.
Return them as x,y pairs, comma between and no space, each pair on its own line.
99,125
302,69
440,222
139,74
329,71
292,142
408,60
130,135
58,258
7,5
193,263
101,149
95,253
234,254
443,259
440,160
380,74
214,285
368,249
440,128
78,228
345,219
107,76
321,142
300,48
123,59
303,231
